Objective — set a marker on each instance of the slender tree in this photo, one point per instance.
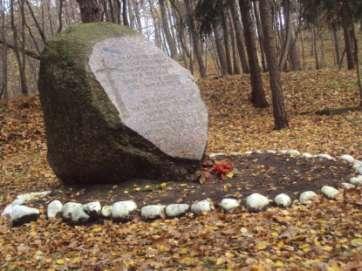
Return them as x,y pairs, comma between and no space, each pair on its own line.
257,94
280,115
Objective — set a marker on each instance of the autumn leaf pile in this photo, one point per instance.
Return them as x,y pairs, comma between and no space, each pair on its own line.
324,236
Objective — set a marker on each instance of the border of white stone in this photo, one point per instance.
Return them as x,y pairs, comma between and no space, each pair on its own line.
256,202
329,191
54,209
202,206
348,158
176,210
357,181
307,197
283,200
229,204
153,211
206,205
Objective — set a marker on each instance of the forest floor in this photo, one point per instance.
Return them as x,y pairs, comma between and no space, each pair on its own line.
326,235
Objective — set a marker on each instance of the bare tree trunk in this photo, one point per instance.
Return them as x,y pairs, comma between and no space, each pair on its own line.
226,36
19,55
260,34
4,56
315,48
195,38
239,36
347,29
280,115
60,16
89,11
336,43
235,55
348,13
257,95
124,13
220,48
166,28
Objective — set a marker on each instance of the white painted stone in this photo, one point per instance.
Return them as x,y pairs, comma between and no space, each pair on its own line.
27,197
325,156
283,200
229,204
348,186
307,197
347,157
20,214
106,211
357,165
283,151
74,213
54,209
256,202
93,208
248,152
293,153
215,154
307,155
356,180
329,191
123,209
6,212
202,206
271,151
175,210
153,211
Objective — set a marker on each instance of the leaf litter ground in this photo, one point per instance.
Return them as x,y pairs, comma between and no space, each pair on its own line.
323,236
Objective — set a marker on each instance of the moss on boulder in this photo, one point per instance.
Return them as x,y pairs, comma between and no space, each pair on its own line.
87,142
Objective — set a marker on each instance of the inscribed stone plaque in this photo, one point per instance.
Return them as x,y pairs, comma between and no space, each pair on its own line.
154,95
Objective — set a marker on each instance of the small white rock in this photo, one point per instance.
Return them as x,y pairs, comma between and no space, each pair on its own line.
6,212
27,197
93,208
283,151
248,152
153,211
283,200
229,204
175,210
106,211
348,185
54,209
271,151
357,165
329,191
307,197
123,209
307,155
257,202
74,213
293,153
356,180
325,156
202,206
21,214
215,154
347,157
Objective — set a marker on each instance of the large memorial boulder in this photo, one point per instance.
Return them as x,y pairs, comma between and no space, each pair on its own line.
116,107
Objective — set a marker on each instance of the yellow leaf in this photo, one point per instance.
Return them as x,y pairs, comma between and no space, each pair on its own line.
278,264
97,229
220,261
261,245
305,248
230,174
356,242
59,262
